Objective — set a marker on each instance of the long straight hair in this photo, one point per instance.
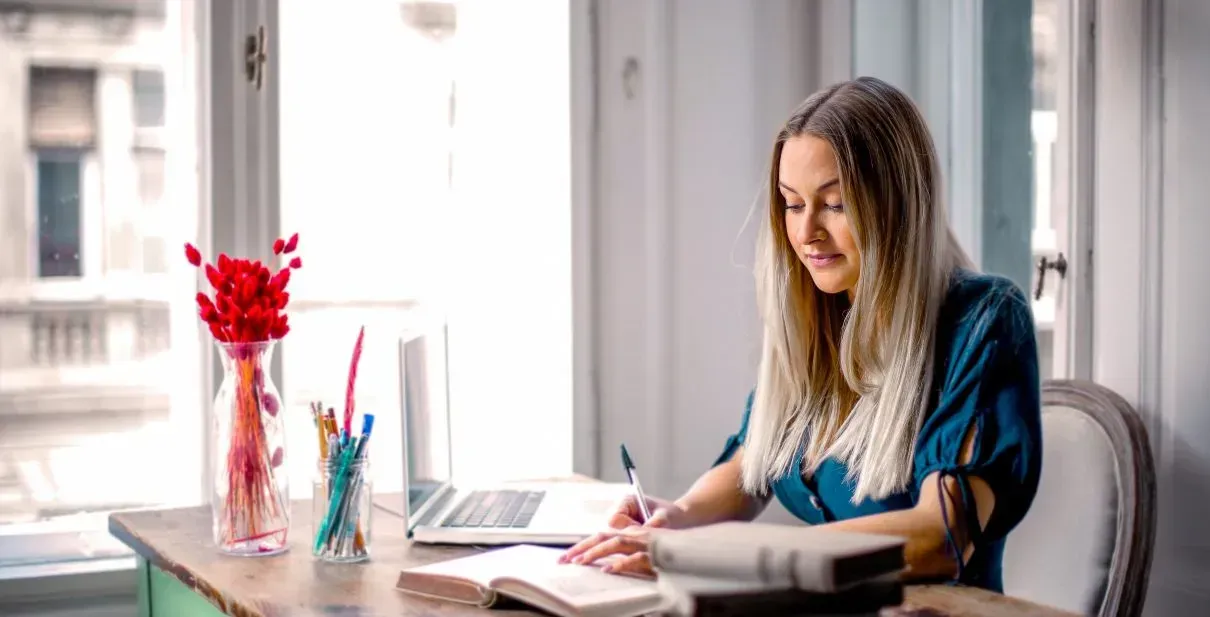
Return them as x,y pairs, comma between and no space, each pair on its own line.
845,380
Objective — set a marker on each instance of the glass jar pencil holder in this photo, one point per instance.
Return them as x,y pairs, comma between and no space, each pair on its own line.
340,510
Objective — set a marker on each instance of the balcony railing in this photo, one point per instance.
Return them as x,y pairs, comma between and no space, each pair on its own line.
79,410
75,334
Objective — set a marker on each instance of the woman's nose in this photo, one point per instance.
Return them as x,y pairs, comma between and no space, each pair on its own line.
808,228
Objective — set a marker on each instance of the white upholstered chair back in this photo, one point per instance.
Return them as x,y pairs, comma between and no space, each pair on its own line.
1086,544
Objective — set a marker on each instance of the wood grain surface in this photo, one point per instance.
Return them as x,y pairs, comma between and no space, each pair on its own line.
956,601
294,584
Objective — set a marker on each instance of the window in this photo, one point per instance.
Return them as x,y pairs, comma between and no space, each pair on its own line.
62,131
150,166
58,193
62,110
385,200
100,378
988,78
148,91
380,173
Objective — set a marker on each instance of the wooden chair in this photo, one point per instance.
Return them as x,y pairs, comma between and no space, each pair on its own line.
1087,543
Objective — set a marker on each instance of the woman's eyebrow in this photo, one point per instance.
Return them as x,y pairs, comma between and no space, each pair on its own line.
821,188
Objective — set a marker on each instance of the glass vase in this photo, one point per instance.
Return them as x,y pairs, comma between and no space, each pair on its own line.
250,499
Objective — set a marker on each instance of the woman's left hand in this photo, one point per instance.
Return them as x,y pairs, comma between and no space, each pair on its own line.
629,545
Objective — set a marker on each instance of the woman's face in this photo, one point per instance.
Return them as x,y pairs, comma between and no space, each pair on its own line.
816,223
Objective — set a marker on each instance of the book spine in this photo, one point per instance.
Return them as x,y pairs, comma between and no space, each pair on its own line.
787,568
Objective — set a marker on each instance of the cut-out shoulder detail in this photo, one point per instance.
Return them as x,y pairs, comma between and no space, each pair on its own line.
988,381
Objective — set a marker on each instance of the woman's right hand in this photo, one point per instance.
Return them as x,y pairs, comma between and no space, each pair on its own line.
628,516
663,514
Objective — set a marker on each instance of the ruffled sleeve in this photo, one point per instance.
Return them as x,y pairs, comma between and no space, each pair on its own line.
991,383
736,440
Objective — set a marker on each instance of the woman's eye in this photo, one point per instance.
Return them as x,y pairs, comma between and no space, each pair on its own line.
835,207
795,207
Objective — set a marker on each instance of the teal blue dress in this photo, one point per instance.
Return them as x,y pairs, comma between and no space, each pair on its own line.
986,374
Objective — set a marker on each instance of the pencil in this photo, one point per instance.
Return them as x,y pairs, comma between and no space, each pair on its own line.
320,429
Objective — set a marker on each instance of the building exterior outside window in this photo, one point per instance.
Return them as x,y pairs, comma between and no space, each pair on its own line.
85,365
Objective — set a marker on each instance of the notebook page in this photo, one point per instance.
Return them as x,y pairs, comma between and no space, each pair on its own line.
481,568
575,585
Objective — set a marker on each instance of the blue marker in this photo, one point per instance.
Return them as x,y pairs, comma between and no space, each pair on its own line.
367,426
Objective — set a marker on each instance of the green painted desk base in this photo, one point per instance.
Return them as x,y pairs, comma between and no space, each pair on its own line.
162,595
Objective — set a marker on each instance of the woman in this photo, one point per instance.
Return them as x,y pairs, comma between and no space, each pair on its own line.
898,390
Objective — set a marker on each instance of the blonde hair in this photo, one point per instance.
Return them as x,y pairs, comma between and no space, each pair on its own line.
853,381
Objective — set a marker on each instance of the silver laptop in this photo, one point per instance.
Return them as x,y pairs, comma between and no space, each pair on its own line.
438,511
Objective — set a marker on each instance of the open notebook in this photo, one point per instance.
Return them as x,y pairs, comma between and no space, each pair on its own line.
532,575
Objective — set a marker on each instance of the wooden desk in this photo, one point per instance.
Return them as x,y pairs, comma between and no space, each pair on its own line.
182,575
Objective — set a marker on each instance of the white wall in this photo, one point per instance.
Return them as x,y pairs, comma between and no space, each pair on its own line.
1151,290
680,163
1181,578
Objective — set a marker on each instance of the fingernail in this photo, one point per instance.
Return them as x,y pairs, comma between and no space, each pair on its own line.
578,559
608,569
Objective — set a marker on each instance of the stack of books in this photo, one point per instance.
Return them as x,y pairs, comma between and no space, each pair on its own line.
722,570
733,569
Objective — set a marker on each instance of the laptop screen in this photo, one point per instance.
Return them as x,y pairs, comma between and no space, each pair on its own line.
426,420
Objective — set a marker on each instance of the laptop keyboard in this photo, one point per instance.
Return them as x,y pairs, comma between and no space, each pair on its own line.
512,509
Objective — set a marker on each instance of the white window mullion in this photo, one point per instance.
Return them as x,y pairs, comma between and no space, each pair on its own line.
242,219
1072,191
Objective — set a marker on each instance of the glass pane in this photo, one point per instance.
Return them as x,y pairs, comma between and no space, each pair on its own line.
99,396
58,191
365,178
987,82
148,92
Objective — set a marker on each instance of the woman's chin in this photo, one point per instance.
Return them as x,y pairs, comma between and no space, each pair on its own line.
830,284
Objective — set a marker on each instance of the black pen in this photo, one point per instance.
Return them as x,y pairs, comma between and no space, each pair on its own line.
628,465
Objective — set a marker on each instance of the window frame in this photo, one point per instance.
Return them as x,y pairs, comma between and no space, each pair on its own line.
950,32
219,118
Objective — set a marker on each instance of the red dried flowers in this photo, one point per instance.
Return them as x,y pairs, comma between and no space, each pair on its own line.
249,301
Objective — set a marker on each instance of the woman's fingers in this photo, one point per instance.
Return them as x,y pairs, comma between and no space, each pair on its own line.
638,564
621,520
626,541
581,546
618,544
659,518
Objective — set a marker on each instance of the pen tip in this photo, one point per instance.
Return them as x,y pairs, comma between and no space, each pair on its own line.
626,457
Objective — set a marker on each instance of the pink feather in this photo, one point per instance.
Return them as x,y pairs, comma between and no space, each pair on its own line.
348,419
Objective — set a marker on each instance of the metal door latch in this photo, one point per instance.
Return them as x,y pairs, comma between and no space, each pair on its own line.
1059,264
254,57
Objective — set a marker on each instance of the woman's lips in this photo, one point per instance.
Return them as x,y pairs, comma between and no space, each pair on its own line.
823,260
